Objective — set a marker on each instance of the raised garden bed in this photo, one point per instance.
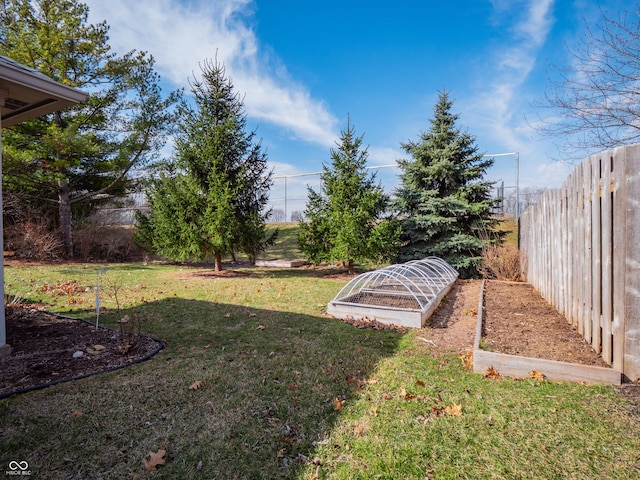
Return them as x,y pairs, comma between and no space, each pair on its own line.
528,335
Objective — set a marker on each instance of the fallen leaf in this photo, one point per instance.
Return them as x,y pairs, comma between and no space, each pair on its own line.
373,411
292,386
467,359
77,413
260,327
155,459
420,383
361,426
405,395
195,385
492,373
438,410
351,379
538,375
454,410
338,404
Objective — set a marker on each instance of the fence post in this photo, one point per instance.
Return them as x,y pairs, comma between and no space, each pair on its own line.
629,344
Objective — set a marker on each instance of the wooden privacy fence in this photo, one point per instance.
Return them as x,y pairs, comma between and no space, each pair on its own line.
580,248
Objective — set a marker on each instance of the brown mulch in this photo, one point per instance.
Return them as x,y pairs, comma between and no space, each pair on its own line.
43,347
518,321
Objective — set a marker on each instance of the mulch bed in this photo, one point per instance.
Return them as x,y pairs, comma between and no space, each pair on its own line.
43,347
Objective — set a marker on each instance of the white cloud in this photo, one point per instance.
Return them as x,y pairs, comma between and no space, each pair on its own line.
492,109
181,35
379,156
552,174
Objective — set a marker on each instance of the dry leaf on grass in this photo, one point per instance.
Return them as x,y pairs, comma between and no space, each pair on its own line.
467,359
351,379
338,404
361,426
492,373
77,413
405,395
538,375
195,385
455,410
155,459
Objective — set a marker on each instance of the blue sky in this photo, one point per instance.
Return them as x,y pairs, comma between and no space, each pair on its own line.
304,66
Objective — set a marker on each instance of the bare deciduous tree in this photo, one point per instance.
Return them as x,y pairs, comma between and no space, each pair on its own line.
596,99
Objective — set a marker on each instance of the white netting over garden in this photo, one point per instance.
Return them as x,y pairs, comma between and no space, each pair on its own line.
416,286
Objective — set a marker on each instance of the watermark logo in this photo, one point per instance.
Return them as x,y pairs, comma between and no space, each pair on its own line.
18,468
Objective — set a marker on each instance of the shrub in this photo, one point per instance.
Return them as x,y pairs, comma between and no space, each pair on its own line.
33,239
500,262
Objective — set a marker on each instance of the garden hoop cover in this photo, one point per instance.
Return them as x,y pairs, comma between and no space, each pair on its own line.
403,294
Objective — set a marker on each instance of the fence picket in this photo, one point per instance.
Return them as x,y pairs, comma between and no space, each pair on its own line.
596,241
580,249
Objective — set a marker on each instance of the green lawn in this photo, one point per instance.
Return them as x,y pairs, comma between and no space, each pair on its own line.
289,393
286,245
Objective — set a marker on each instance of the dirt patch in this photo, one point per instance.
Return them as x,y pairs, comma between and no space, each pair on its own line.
43,348
452,326
518,321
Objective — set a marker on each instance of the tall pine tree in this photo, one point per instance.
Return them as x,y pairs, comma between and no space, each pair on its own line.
209,201
345,221
68,160
444,204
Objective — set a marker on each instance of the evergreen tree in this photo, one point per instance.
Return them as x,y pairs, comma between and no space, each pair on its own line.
70,159
209,201
345,221
444,205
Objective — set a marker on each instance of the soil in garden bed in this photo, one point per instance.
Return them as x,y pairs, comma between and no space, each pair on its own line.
43,347
518,321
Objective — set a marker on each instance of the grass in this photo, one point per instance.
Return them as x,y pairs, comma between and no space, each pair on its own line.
510,227
287,392
286,245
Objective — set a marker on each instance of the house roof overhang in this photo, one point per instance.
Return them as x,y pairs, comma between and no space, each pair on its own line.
26,93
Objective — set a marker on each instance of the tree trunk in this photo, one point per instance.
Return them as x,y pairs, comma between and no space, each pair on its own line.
351,271
65,219
218,267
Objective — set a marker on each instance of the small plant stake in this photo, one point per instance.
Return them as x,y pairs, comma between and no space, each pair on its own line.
99,273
